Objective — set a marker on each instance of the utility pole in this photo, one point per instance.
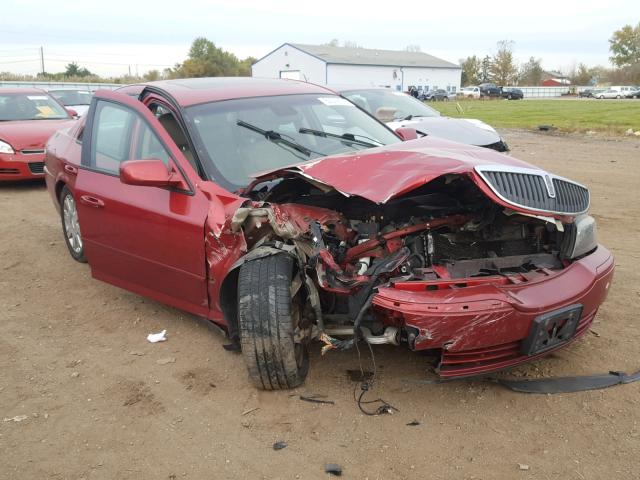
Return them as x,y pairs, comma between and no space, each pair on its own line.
42,59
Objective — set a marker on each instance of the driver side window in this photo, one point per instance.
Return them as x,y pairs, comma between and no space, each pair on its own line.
118,135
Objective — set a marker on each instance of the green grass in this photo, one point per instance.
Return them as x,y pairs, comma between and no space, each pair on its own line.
607,116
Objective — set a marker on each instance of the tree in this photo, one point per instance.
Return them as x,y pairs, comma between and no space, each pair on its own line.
486,69
413,48
71,70
581,76
503,69
625,46
152,75
471,70
531,72
207,60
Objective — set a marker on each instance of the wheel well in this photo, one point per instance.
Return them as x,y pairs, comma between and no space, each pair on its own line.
59,186
229,302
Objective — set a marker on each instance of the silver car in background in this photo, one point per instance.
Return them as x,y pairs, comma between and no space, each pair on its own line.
398,109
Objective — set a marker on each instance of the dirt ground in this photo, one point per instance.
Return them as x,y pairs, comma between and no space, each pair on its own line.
103,403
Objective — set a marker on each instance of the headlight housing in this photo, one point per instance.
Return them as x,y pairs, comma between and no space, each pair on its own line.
580,237
6,148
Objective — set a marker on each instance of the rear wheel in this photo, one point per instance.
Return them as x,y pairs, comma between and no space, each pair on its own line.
268,317
71,225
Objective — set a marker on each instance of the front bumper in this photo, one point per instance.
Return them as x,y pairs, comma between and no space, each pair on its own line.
20,166
480,328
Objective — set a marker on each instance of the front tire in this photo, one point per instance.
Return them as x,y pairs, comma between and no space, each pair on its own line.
71,225
267,317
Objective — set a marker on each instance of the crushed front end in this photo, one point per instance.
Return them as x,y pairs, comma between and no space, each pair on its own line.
478,266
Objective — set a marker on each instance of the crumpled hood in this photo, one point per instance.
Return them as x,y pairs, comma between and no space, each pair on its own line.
379,174
30,134
455,129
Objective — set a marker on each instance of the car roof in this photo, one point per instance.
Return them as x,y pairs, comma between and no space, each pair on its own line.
193,91
26,91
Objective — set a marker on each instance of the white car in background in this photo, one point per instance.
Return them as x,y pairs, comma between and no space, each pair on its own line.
398,109
78,100
610,94
470,92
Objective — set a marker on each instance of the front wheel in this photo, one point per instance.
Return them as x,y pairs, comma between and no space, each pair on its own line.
268,317
71,225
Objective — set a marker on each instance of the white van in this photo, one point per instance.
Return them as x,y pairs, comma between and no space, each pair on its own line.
623,90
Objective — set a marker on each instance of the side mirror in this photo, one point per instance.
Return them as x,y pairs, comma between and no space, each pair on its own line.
406,133
148,173
72,112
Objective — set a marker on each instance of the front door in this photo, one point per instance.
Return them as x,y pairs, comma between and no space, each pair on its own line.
146,239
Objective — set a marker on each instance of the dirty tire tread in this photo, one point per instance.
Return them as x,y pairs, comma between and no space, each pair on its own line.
265,318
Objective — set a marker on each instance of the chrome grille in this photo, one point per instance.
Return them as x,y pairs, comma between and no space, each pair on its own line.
536,189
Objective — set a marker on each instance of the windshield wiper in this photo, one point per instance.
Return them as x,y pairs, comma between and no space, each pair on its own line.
349,137
278,138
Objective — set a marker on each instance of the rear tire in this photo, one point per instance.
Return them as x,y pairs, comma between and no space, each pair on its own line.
71,225
266,314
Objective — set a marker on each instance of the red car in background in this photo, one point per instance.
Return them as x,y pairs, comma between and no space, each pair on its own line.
28,117
349,234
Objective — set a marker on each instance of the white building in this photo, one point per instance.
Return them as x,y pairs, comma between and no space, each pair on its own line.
328,65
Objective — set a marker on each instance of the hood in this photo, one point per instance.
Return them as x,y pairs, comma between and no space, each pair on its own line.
379,174
455,129
30,134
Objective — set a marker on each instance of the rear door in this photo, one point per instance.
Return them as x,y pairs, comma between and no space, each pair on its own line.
146,239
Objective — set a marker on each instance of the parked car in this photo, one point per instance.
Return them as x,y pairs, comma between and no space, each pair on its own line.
608,94
28,117
589,92
347,235
470,92
511,93
438,95
633,93
397,110
78,100
489,90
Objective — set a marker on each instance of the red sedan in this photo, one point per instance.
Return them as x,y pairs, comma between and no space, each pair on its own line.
28,117
347,234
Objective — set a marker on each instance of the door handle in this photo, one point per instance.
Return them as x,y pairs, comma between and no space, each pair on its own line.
70,169
92,201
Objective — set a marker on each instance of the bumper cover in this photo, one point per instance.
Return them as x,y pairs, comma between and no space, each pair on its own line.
19,166
480,328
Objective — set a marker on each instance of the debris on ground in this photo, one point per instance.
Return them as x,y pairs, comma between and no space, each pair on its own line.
413,423
333,469
166,361
157,337
316,399
247,412
570,384
279,445
136,353
546,128
523,466
17,418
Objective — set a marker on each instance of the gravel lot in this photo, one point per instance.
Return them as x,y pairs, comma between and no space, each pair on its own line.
102,403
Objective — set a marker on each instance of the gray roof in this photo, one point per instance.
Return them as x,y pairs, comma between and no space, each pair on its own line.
367,56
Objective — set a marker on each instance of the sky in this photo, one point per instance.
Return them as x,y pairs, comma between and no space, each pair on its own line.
114,37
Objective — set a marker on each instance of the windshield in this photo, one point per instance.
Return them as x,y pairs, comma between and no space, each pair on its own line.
72,97
30,106
238,138
387,105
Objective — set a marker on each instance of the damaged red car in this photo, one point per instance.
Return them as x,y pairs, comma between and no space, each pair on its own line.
347,233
